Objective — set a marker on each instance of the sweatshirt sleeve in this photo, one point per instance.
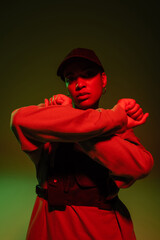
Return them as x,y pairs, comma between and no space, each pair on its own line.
36,125
122,154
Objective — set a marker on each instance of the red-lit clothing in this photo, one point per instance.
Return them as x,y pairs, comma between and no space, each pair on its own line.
82,148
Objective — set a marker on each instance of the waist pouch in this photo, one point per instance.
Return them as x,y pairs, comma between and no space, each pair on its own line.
72,193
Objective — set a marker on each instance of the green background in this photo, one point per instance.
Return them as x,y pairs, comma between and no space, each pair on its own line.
35,36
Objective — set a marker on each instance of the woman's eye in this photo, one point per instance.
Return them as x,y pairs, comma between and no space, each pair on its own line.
88,74
71,79
68,79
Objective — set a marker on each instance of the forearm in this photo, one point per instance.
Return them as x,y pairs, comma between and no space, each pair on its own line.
34,125
127,161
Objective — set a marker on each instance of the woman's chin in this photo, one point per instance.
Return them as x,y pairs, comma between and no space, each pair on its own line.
86,105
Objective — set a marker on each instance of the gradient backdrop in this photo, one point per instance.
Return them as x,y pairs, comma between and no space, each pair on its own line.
35,37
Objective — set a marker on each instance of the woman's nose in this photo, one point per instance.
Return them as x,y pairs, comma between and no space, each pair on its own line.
80,83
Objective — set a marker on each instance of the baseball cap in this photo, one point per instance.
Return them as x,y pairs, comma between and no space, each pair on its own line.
78,53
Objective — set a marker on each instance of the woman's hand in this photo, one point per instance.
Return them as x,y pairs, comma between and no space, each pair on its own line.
134,112
58,99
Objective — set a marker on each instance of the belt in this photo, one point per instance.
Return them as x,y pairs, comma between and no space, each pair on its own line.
63,199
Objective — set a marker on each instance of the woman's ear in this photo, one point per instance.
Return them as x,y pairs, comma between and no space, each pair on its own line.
104,79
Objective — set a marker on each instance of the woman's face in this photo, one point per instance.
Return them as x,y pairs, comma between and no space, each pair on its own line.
85,83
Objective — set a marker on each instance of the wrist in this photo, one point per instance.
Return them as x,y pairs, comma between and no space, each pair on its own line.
121,117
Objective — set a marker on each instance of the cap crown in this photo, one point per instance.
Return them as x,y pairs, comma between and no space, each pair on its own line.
79,53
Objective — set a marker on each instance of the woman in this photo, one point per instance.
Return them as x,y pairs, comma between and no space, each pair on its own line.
83,155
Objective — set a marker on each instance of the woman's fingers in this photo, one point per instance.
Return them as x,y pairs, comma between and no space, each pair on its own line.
144,118
127,103
130,104
60,99
136,113
133,110
46,102
134,123
140,117
54,99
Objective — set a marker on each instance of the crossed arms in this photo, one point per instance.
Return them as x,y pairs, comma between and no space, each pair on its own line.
102,134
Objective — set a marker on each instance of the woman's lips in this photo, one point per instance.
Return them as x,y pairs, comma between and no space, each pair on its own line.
82,96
